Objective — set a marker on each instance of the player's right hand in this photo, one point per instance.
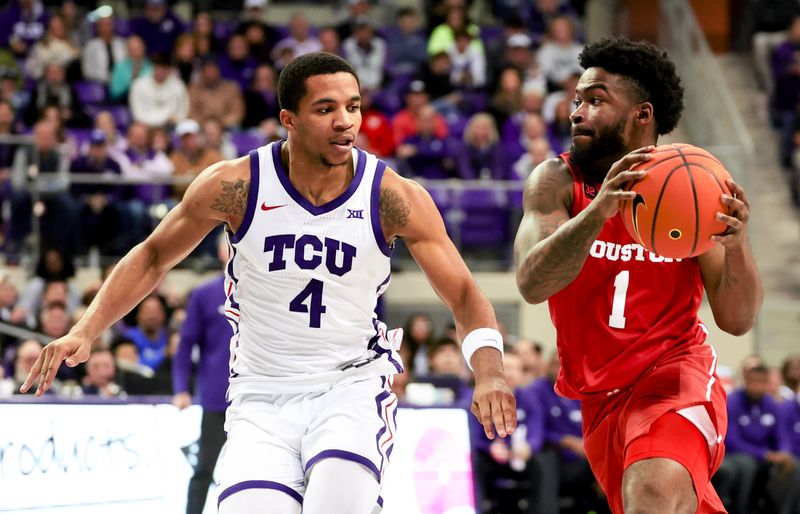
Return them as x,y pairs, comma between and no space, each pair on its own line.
72,348
612,191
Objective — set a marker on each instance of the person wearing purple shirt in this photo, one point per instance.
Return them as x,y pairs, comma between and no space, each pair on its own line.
206,328
22,24
150,333
790,414
159,27
237,64
563,463
514,457
426,155
757,446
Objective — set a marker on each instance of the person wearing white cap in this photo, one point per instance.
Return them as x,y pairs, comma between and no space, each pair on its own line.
190,156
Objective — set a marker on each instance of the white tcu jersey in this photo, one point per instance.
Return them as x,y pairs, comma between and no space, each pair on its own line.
302,282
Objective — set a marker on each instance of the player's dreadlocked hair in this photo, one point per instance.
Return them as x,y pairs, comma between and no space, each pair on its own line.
648,69
292,80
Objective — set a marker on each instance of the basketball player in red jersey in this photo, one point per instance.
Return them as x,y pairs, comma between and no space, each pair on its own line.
631,346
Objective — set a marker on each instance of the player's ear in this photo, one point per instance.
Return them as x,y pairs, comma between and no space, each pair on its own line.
644,112
286,117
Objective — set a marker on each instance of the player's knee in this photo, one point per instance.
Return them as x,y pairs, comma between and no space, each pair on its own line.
658,488
325,494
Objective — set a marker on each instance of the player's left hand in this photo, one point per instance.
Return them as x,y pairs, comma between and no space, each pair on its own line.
736,233
494,405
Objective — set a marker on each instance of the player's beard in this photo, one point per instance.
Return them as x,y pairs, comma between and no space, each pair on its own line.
606,143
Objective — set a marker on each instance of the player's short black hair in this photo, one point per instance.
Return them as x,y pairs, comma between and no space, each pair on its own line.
292,80
648,68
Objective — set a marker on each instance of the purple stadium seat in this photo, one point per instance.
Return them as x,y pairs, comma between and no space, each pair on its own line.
90,92
486,218
388,102
246,141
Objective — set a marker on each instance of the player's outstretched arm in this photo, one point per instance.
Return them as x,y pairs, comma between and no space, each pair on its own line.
407,211
729,270
550,247
218,195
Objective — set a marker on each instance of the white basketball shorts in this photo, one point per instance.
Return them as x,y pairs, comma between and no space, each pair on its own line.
275,439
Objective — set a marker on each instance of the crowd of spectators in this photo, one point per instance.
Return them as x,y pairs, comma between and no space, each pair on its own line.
155,98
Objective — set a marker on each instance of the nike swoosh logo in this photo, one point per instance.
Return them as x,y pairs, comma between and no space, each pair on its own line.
639,200
265,207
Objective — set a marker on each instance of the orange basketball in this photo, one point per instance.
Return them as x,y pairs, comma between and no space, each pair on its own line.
674,214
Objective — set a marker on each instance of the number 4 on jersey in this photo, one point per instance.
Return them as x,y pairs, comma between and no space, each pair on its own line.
312,292
617,318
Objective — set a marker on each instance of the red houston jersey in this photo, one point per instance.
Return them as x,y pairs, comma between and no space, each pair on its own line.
627,309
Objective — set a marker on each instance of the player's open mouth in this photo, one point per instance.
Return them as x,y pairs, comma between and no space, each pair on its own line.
343,143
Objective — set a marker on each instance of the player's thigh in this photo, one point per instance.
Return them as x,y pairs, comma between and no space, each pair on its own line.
260,501
341,486
354,422
668,466
258,456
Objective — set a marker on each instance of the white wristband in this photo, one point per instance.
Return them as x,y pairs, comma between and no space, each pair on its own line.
479,338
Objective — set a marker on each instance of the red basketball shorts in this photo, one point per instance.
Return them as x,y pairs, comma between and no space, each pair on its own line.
675,410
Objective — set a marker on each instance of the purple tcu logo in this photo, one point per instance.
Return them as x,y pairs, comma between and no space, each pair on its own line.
309,252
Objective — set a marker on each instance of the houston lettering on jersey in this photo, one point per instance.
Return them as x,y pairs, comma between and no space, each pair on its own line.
617,252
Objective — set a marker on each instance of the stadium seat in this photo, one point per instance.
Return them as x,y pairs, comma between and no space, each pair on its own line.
246,141
485,218
90,92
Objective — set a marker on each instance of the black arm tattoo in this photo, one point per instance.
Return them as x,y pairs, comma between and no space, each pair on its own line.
394,210
233,199
556,250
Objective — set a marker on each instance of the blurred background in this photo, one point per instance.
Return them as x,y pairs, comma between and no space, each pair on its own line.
108,110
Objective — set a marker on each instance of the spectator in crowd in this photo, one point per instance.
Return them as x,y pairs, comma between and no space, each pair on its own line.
404,122
27,353
357,10
205,40
76,26
408,48
159,27
538,151
103,52
426,155
443,36
237,64
22,24
496,48
216,139
558,56
48,161
143,163
468,64
12,93
116,142
483,156
191,157
261,98
329,41
511,457
134,66
563,465
530,353
300,41
133,377
790,417
533,100
541,12
161,98
261,37
7,149
786,74
520,56
418,338
150,333
444,359
53,47
366,52
756,446
207,330
436,76
55,322
100,375
54,90
53,268
211,96
185,59
507,99
100,218
533,127
790,371
376,128
8,301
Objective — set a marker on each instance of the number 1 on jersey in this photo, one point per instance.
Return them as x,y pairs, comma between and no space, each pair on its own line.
315,309
617,318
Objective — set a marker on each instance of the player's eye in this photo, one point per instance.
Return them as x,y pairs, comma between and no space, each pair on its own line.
576,102
353,108
596,100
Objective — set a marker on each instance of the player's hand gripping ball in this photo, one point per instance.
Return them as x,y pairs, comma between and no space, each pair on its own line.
674,212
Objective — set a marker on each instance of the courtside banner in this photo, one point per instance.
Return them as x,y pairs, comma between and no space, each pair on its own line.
126,459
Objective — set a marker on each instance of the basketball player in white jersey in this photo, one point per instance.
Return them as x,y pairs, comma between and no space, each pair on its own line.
310,222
